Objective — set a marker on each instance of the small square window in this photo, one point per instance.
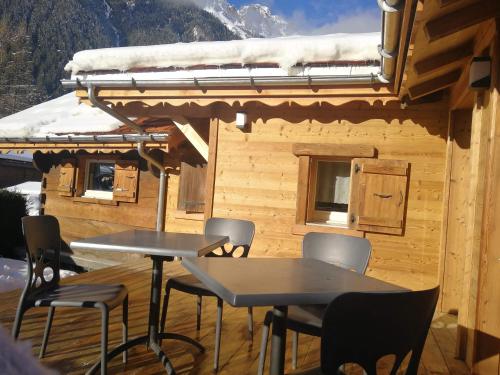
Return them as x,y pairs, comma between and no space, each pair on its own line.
99,179
329,194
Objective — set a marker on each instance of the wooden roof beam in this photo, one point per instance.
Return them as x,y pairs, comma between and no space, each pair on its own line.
460,95
462,18
440,60
192,135
435,84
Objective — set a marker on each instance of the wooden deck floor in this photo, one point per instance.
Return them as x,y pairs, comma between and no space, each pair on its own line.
74,340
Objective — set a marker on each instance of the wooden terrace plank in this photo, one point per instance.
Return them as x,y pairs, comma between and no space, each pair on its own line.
75,336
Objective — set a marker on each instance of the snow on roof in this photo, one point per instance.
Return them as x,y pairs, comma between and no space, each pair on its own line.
232,72
286,52
64,115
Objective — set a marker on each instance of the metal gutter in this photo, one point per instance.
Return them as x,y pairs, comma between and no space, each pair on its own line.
88,139
160,210
391,23
206,82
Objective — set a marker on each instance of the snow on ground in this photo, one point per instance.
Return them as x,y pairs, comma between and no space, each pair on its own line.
31,191
286,52
13,274
64,115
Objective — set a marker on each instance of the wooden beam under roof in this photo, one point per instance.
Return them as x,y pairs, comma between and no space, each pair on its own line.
434,84
192,135
460,95
462,18
443,59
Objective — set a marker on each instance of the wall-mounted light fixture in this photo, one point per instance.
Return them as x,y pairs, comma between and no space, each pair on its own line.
480,73
241,120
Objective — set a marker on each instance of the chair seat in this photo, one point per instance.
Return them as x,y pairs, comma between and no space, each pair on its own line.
189,284
306,318
82,295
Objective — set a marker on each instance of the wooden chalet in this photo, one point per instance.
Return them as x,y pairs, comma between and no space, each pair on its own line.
407,158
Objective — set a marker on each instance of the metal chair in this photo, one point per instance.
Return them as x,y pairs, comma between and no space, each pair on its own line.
43,247
361,328
240,233
348,252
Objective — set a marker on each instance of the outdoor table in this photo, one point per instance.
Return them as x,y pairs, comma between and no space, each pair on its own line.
160,246
280,282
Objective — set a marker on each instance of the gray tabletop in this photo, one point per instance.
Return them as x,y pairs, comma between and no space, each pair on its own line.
275,282
153,243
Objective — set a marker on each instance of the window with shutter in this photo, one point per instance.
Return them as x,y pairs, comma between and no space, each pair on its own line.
378,195
126,180
192,188
67,178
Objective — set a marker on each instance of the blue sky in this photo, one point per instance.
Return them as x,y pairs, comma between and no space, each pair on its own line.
325,15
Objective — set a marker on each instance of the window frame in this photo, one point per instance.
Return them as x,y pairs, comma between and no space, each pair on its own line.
79,191
96,194
307,153
312,193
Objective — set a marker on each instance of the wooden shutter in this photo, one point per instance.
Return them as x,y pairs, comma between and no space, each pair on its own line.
66,185
192,188
126,181
378,195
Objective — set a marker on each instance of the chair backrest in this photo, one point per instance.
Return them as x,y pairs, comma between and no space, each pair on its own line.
240,233
361,328
43,248
348,252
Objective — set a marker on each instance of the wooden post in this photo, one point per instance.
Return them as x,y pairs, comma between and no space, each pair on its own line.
212,167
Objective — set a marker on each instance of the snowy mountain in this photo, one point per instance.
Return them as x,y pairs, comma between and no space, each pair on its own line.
249,21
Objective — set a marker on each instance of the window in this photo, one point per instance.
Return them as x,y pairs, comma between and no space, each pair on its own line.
99,180
100,175
330,182
345,188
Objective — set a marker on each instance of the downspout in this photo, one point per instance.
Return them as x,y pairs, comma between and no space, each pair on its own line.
391,21
160,211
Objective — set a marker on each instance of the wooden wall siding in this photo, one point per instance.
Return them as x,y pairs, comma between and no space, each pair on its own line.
257,173
82,219
173,221
453,268
479,155
487,351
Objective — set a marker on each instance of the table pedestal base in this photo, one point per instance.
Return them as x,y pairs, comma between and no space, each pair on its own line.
141,340
152,339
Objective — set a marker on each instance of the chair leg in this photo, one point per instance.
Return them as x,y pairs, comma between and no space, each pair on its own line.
164,309
218,329
263,344
125,327
104,339
198,312
16,328
46,333
250,321
295,349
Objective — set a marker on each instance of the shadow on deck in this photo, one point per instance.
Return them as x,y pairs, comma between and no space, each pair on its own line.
75,336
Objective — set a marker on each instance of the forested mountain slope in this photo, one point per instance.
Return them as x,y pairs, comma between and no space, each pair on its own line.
37,38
